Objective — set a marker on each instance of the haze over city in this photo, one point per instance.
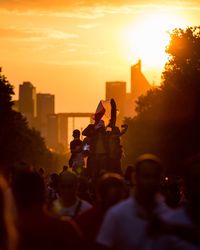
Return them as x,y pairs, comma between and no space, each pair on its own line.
100,143
71,48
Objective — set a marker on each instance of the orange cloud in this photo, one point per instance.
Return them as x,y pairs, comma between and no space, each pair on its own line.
36,33
63,4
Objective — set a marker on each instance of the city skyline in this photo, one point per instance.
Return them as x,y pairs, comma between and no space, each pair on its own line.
72,49
57,128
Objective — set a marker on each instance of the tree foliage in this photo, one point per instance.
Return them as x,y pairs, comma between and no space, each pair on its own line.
6,92
19,143
168,117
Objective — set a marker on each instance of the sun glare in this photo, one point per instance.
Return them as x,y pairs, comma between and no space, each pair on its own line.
148,37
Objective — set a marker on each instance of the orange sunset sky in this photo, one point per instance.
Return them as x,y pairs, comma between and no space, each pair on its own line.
70,48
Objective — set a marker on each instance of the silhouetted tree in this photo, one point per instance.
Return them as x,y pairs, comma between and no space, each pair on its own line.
168,117
18,142
6,92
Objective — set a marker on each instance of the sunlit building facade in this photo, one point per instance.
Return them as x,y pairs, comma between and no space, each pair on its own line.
27,101
52,132
139,86
63,130
45,107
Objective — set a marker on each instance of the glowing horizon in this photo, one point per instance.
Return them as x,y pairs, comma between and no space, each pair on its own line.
71,50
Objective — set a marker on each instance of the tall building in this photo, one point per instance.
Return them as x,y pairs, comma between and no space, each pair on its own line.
63,130
52,132
27,101
117,91
139,84
45,107
126,101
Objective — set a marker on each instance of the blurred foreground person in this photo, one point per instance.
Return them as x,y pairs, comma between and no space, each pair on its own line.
110,190
128,225
69,205
37,229
52,189
8,233
185,226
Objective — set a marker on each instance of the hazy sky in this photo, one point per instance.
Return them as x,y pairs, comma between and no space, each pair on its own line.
71,48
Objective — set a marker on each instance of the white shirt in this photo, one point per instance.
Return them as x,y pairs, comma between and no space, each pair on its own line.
124,228
180,216
77,208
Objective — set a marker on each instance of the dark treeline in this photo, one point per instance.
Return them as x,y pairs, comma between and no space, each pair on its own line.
168,117
20,144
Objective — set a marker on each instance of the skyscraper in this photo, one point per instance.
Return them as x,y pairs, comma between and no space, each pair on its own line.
63,130
52,131
27,101
139,84
45,107
117,91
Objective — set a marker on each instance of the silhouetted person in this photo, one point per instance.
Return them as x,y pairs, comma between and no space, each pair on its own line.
109,191
52,189
113,139
76,161
115,148
37,229
185,221
98,153
126,225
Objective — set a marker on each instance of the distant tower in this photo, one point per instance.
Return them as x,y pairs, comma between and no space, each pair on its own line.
52,132
63,129
45,107
117,91
27,101
139,84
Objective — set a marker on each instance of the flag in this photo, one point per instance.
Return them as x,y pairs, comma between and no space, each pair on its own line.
106,112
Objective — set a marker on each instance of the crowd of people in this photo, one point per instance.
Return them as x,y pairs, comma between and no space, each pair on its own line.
101,150
93,204
131,210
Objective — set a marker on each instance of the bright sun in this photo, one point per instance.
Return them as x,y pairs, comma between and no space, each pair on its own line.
147,38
